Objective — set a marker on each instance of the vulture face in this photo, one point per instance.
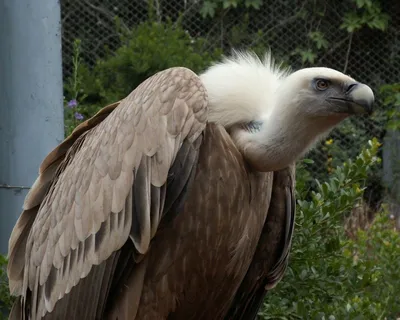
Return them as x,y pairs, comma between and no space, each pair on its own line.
327,92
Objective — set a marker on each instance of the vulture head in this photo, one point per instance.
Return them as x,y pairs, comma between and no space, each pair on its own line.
274,115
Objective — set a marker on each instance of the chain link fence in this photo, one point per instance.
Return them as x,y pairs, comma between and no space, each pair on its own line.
302,33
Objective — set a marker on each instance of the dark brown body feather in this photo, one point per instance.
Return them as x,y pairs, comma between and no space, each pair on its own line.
197,260
271,256
146,212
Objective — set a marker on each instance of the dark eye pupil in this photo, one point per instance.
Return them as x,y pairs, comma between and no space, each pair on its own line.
322,84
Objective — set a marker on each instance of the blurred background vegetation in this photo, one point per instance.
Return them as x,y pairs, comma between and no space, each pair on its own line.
345,259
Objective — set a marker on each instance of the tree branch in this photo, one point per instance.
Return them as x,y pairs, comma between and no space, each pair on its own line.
348,53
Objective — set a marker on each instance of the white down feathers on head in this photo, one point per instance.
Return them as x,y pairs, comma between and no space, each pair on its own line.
241,87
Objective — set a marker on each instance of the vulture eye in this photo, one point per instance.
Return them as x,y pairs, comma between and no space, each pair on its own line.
322,84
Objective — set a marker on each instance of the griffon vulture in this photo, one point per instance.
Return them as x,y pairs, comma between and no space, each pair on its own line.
176,202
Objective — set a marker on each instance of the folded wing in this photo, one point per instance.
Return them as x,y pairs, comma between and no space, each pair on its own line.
271,257
103,185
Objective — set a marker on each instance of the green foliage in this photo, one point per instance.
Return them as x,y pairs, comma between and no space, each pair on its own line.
365,13
5,299
330,276
317,45
376,264
304,178
211,7
145,50
368,13
73,84
319,39
335,150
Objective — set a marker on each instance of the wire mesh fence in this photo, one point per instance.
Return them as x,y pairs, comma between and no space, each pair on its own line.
301,33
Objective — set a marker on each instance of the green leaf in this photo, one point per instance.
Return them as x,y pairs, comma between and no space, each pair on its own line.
208,9
229,3
319,39
256,4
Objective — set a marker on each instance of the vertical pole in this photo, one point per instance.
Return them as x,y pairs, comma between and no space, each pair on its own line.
391,172
31,97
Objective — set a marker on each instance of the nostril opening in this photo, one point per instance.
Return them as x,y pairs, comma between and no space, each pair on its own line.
350,87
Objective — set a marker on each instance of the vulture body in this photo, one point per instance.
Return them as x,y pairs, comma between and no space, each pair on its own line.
176,202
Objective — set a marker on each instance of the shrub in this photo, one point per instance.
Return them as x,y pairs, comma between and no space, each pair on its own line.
374,258
329,275
344,142
145,50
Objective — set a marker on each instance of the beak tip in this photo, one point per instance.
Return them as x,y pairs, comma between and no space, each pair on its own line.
364,97
367,105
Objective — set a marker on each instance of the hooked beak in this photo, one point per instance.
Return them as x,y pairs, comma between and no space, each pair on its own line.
358,99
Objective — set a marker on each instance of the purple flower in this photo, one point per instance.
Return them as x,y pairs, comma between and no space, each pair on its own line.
78,116
72,103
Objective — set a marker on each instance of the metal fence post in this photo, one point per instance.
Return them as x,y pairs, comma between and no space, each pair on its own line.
31,111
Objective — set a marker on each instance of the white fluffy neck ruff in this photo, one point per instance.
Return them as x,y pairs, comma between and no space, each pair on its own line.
242,89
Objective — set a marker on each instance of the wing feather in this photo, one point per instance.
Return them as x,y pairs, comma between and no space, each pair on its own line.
271,257
108,186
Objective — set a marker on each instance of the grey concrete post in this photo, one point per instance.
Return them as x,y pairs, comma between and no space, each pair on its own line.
31,111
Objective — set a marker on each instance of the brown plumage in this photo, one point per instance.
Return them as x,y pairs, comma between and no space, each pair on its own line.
149,210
